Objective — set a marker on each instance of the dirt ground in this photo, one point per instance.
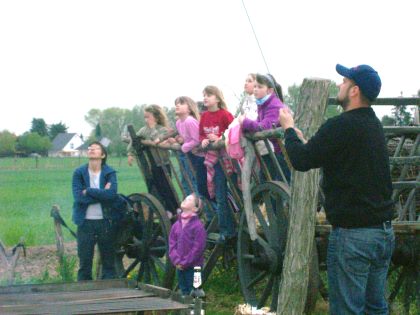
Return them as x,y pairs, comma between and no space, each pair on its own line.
38,260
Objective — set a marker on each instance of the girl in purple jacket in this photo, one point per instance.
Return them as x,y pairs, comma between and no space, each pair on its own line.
269,98
187,242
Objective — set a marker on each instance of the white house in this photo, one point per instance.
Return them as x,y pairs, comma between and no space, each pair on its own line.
65,145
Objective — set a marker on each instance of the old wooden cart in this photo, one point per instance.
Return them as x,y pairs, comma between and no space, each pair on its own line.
89,297
260,262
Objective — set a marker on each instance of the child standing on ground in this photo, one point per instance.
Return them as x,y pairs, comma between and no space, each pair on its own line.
269,98
213,124
187,242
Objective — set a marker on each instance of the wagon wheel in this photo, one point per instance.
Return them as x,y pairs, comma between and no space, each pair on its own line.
260,263
143,238
404,273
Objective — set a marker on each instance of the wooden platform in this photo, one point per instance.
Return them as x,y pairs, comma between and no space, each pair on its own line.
89,297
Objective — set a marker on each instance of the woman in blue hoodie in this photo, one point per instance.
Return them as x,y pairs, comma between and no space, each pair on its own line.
94,188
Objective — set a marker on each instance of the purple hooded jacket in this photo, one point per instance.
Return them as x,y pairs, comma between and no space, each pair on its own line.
268,115
187,245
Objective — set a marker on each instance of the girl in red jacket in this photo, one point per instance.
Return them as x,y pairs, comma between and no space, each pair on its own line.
213,123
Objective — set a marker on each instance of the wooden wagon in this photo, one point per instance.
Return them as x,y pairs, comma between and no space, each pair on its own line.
88,297
260,258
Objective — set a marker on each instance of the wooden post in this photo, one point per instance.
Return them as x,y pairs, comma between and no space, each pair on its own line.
10,261
304,198
59,239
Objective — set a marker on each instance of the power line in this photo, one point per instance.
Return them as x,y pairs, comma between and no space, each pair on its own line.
255,35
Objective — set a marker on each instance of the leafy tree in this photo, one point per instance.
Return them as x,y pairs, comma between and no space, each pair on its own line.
388,121
401,115
292,96
98,132
32,142
171,116
7,143
93,117
112,122
39,126
55,129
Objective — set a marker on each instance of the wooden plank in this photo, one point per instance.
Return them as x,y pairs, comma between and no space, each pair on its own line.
401,130
407,184
70,297
69,286
395,101
406,160
103,307
87,297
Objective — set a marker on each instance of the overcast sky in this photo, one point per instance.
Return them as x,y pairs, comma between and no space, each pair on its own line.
59,59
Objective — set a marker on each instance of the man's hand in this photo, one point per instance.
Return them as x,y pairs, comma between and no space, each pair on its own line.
300,135
108,186
286,118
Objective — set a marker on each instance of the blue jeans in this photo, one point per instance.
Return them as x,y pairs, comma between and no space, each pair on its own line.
185,280
89,233
224,213
201,180
357,262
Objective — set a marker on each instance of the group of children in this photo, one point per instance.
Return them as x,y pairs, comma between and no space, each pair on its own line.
259,110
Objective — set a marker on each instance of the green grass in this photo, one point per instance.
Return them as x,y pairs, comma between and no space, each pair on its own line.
27,194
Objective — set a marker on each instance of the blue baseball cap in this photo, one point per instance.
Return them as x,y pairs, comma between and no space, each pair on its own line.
365,77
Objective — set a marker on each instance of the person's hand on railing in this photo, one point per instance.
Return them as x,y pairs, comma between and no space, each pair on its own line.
179,139
205,143
286,118
300,135
213,137
241,119
171,140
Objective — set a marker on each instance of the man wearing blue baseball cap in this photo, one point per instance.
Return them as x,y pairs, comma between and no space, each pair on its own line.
351,150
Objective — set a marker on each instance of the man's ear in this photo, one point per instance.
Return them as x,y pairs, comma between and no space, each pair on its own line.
355,90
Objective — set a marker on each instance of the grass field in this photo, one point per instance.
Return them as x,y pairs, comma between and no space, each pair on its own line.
27,194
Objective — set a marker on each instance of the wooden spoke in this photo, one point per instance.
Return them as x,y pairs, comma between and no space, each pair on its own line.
266,293
257,279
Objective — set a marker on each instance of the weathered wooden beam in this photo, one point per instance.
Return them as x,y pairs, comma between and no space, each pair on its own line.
405,160
304,199
59,239
395,101
401,130
10,261
264,134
